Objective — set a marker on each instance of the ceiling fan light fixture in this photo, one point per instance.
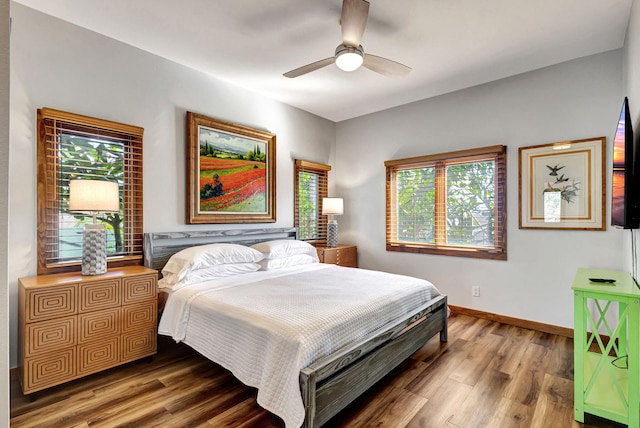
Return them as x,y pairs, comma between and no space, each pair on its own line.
349,58
349,55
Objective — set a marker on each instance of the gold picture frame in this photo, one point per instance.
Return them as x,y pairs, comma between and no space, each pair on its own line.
231,172
562,185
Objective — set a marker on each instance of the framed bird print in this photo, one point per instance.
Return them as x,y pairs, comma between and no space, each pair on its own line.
562,185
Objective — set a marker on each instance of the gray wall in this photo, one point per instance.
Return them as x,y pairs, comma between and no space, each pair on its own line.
569,101
631,66
4,211
62,66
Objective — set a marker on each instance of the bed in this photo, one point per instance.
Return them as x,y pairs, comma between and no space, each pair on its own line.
305,372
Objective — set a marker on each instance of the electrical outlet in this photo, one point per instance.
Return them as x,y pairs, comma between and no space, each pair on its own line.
475,291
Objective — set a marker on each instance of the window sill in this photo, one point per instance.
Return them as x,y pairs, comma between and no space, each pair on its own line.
478,253
76,265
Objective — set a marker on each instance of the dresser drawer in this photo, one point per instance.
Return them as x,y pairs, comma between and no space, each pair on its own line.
50,336
342,255
139,316
99,295
139,344
97,356
141,287
347,257
93,325
49,369
44,304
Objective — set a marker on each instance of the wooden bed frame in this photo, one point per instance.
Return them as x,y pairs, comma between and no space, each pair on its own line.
332,382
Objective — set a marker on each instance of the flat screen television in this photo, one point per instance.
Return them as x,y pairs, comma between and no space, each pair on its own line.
624,183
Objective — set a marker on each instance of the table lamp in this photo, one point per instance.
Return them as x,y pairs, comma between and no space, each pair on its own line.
94,196
331,207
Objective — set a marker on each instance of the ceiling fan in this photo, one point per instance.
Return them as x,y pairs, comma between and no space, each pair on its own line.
349,55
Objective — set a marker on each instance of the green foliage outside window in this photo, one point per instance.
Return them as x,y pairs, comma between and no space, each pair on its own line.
95,159
308,201
416,193
468,218
470,203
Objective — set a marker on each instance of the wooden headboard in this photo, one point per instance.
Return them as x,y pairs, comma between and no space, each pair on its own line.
159,247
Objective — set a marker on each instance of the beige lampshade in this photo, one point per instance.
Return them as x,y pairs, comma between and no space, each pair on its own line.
94,196
332,206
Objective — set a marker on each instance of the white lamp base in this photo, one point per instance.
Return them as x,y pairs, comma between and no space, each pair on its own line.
94,250
332,233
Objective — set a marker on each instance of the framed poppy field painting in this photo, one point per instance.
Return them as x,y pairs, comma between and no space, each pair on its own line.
562,185
230,172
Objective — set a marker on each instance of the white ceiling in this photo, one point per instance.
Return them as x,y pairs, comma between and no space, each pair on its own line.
450,44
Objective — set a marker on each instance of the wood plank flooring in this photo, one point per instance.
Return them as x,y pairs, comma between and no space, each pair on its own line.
487,375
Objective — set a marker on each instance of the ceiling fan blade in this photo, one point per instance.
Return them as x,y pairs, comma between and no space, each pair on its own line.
353,21
385,66
309,67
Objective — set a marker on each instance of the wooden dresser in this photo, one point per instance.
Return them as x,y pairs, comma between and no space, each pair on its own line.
71,325
342,255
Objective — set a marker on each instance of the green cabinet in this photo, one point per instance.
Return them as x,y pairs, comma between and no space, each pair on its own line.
606,348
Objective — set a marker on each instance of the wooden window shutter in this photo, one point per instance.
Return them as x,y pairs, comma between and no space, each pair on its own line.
310,186
432,208
74,146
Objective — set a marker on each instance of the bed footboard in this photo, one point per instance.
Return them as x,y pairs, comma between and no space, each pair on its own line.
332,382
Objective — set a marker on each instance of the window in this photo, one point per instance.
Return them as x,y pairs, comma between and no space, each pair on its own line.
311,181
72,146
451,204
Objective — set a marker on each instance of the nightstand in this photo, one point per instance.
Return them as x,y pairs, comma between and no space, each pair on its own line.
342,255
71,325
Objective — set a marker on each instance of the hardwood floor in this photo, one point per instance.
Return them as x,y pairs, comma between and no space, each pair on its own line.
487,375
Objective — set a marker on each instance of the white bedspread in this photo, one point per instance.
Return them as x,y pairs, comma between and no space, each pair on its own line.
266,326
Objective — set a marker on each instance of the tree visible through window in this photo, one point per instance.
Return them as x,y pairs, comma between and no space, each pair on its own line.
308,195
471,203
83,158
310,188
452,203
71,147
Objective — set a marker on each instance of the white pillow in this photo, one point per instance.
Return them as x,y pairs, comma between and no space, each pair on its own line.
172,281
300,259
285,248
205,256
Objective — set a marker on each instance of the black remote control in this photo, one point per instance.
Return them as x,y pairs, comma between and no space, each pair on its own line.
610,281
